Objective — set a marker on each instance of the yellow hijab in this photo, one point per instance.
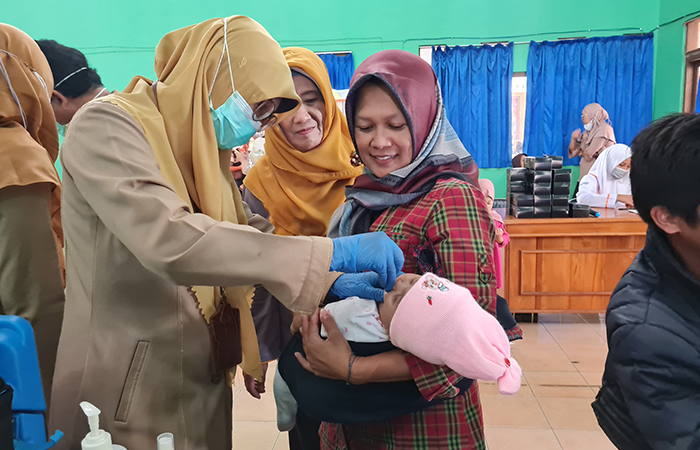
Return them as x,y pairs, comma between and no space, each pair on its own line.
180,130
302,190
27,155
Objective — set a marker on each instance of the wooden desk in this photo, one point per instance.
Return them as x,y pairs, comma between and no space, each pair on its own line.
569,265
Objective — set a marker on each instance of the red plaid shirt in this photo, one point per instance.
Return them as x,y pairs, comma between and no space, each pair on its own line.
453,218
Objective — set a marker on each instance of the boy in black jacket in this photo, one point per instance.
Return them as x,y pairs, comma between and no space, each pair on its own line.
651,386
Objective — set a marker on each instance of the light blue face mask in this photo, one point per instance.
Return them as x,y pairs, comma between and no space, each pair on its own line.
233,121
61,129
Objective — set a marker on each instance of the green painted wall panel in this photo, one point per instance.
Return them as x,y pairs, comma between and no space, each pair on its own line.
119,35
669,64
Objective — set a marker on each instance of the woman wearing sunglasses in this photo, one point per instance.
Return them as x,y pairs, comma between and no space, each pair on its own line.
158,302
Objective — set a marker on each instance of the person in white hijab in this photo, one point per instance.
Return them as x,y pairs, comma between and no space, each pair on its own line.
607,184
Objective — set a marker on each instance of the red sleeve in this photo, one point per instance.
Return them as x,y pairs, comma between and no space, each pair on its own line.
462,232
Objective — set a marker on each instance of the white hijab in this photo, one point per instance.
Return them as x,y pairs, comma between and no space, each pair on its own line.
602,169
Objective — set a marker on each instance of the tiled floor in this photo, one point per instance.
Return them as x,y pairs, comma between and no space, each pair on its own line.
562,358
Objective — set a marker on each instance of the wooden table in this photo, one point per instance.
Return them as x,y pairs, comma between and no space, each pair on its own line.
567,264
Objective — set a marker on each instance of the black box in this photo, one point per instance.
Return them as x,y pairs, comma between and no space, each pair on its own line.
578,210
539,176
560,201
524,212
519,200
560,211
543,211
533,163
516,174
538,189
561,188
542,200
517,186
561,175
557,162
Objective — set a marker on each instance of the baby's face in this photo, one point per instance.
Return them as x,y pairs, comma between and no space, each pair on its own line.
393,298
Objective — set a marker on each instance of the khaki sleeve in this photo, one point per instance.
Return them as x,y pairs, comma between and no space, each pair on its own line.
576,151
598,144
111,162
257,221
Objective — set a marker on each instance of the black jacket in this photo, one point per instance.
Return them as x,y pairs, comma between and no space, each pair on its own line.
653,327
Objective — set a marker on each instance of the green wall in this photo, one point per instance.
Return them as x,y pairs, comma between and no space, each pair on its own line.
119,36
669,64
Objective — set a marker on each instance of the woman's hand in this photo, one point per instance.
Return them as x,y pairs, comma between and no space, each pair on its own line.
574,145
254,387
374,252
363,285
327,358
499,235
626,199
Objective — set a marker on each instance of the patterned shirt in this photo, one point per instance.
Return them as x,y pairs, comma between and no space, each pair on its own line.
453,220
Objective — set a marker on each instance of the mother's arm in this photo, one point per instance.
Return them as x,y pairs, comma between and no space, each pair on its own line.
460,229
330,358
462,232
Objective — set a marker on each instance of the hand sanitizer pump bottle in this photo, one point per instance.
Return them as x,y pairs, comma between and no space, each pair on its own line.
166,441
96,439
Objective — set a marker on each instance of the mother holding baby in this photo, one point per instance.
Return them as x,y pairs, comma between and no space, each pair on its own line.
419,187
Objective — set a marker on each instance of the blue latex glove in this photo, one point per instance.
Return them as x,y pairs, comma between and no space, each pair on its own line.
363,285
368,252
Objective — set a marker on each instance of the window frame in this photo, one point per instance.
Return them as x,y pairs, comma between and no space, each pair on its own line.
692,64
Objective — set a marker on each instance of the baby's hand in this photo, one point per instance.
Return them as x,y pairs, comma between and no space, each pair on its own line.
296,323
499,235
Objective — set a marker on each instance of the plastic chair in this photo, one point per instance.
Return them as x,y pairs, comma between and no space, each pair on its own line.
19,367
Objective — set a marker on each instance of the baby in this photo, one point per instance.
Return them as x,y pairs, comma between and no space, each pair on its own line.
431,318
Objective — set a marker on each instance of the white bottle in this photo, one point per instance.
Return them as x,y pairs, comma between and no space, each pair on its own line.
166,441
96,439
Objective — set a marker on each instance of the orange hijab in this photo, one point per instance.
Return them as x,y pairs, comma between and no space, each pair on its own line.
28,153
302,190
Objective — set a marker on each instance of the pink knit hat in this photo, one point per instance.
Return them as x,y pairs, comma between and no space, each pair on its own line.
441,323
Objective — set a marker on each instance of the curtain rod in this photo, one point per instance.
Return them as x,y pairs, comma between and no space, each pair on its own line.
344,52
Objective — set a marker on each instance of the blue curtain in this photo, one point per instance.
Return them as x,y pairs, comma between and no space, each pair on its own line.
476,88
562,77
340,69
697,98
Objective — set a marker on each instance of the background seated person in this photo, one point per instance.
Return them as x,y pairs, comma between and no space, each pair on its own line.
607,184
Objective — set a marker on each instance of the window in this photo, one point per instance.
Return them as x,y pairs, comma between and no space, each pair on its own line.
518,95
427,54
340,94
692,65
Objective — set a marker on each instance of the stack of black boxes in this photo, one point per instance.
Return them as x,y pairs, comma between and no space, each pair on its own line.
540,189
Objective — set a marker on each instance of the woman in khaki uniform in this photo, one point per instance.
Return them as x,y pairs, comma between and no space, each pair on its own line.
155,226
31,240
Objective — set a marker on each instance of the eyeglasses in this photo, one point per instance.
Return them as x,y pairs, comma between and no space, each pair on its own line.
265,114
